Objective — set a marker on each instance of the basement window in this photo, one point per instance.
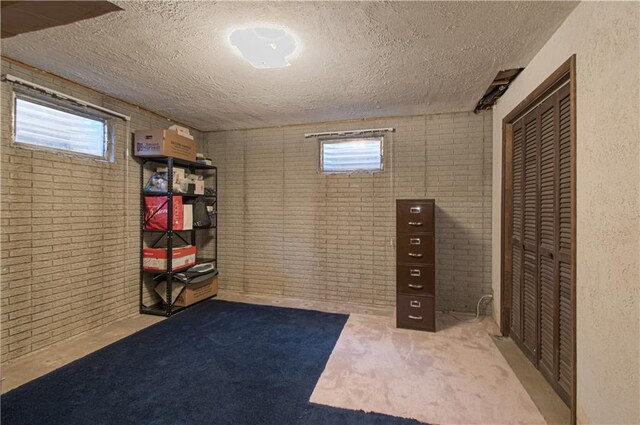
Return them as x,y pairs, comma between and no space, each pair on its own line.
352,155
41,122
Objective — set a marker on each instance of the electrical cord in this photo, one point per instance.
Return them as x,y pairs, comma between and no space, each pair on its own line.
475,319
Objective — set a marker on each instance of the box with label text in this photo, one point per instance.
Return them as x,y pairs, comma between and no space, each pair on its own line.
155,259
161,142
184,295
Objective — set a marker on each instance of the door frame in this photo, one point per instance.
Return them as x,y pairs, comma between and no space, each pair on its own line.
566,70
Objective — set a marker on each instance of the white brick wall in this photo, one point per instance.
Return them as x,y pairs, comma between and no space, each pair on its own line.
70,231
287,230
70,242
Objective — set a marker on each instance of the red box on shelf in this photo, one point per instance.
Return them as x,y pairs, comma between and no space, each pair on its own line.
156,209
155,259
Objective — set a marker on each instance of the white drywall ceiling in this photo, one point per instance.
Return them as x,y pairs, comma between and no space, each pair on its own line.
357,59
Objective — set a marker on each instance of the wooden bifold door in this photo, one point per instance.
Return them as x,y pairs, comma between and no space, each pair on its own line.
540,252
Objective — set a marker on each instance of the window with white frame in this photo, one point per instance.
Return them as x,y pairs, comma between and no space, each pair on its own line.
45,122
351,155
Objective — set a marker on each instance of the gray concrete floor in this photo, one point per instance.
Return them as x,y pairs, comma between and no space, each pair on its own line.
553,409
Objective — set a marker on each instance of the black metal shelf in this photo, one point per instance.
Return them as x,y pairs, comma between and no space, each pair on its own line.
167,308
184,195
181,269
177,161
175,231
159,308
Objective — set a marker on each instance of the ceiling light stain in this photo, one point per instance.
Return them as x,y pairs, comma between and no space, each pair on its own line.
264,47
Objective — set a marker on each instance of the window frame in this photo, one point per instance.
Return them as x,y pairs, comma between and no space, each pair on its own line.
342,139
66,106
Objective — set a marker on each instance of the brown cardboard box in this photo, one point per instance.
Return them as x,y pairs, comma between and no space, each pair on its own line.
162,142
191,293
176,289
197,292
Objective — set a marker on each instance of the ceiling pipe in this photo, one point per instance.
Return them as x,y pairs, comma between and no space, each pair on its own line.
16,80
350,132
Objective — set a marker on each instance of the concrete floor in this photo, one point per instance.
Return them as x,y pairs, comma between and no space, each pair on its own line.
554,410
457,375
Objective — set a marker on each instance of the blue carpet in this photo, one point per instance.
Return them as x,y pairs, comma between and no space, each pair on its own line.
217,363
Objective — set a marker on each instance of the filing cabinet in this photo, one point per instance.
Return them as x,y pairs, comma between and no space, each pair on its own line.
415,264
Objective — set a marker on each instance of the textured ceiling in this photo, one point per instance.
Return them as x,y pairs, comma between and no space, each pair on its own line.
357,59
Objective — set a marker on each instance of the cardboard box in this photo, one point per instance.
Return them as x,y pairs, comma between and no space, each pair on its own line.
155,259
187,217
183,131
162,142
179,174
185,295
197,292
196,187
176,289
192,184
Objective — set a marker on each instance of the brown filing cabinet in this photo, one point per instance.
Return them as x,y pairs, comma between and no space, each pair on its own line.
415,264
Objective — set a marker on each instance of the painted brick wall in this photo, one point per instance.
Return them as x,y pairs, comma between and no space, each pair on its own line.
69,235
69,238
287,230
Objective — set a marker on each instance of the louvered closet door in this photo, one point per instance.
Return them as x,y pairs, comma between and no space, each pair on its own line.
530,204
516,236
563,253
541,311
547,262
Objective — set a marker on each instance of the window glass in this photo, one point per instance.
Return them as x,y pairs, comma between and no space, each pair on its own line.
351,155
51,127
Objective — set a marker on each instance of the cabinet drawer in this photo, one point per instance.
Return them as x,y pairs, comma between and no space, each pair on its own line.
415,248
414,216
416,312
415,280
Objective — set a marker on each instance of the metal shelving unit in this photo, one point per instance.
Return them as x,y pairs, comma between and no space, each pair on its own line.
166,308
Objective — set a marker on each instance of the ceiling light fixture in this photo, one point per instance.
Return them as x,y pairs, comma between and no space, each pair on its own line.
264,47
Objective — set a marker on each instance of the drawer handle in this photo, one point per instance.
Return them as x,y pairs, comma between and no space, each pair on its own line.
415,317
415,255
415,223
414,272
415,210
415,304
414,286
414,241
